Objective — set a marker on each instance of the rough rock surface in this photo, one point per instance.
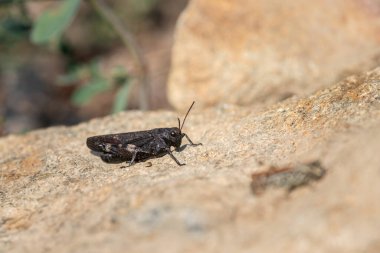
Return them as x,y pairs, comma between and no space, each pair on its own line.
57,197
253,52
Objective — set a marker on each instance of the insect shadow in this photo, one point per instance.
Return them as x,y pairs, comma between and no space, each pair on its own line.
140,146
288,178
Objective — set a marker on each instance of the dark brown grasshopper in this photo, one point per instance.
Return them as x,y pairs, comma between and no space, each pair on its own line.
139,146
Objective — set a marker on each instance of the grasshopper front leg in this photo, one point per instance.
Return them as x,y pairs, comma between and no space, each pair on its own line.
191,143
173,157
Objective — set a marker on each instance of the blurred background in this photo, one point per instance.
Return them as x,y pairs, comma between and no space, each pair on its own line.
63,62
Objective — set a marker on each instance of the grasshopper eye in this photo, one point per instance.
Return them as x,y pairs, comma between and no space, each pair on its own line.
173,134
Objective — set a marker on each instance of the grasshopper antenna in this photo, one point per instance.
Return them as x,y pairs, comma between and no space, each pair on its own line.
179,123
183,122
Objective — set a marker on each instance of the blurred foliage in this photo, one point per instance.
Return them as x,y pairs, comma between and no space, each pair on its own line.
56,58
140,9
121,99
15,25
48,31
13,29
93,82
50,26
52,23
121,79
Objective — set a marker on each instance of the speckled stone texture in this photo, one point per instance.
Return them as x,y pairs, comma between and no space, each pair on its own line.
57,197
254,52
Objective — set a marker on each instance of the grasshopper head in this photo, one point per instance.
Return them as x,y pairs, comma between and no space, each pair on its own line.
175,135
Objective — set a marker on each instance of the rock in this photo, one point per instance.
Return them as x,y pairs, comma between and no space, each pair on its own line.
254,52
57,197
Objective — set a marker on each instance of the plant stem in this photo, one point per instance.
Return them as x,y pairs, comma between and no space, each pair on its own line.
129,41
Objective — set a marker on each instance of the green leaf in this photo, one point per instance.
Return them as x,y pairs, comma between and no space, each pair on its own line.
85,93
121,98
52,23
81,72
119,75
68,79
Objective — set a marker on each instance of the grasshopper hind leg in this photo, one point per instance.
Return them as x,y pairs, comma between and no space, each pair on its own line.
110,158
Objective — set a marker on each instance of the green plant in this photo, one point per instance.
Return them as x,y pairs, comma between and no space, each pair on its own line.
52,23
94,82
49,28
15,23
